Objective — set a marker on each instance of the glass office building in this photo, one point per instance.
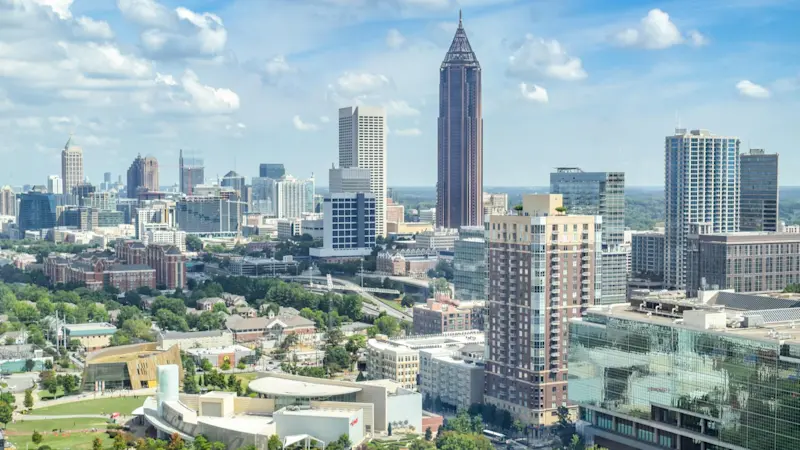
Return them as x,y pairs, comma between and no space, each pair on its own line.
759,191
37,211
646,382
469,264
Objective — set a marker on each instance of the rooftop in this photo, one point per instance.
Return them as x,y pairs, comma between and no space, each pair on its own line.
295,388
316,412
454,338
218,350
191,334
90,329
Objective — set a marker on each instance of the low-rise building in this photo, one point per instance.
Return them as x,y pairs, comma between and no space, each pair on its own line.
259,267
438,239
127,366
218,356
207,304
281,326
453,376
195,339
412,262
444,314
99,272
92,336
247,330
14,338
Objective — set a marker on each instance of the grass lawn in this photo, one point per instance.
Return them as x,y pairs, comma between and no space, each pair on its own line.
122,405
246,378
73,433
46,395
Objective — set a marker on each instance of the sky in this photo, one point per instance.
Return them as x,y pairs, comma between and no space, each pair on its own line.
582,83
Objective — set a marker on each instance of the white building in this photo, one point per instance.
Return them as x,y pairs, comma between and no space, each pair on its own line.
455,376
362,143
438,239
349,226
195,339
314,228
349,179
172,237
294,197
54,185
71,166
495,204
427,215
289,228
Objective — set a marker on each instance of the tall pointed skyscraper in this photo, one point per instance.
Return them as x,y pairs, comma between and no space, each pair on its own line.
459,188
71,166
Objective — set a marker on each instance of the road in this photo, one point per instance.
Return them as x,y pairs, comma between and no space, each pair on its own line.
379,306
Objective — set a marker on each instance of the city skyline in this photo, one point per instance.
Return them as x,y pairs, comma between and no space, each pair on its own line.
234,96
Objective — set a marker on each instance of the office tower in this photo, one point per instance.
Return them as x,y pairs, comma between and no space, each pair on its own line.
349,179
294,197
37,210
758,191
543,268
362,143
273,171
55,185
495,204
264,200
8,202
353,217
701,185
647,255
208,215
599,194
469,264
459,188
71,166
82,190
142,175
234,181
107,177
192,172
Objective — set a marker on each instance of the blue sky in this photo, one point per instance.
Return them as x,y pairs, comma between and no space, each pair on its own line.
566,83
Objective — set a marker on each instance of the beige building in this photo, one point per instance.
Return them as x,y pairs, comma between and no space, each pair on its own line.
127,366
495,204
444,314
408,227
71,166
195,339
8,202
395,213
92,336
398,360
455,376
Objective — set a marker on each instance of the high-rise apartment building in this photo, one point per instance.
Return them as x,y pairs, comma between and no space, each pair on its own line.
191,172
758,191
55,185
495,204
349,179
211,215
647,254
71,166
469,264
8,202
599,194
273,171
701,186
362,143
294,197
459,186
543,270
142,174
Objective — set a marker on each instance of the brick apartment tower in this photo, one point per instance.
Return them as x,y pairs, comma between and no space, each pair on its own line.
542,271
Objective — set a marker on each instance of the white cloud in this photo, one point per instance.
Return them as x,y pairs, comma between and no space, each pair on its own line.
747,88
168,80
394,39
29,122
95,59
657,31
208,99
534,93
354,84
407,132
537,56
324,119
400,108
94,28
277,66
59,7
303,126
146,13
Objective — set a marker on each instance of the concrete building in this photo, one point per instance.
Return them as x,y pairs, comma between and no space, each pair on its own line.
71,166
758,191
543,270
208,215
195,339
444,314
362,144
349,180
495,204
350,226
745,262
191,171
459,185
438,239
314,228
427,215
274,171
142,175
701,186
55,185
395,213
8,202
176,238
289,228
232,354
92,336
411,262
455,376
469,264
398,359
647,254
127,367
294,197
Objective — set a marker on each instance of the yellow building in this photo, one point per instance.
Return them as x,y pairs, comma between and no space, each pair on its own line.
92,336
127,366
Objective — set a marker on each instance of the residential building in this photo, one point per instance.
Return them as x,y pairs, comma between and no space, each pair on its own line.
208,215
8,202
294,197
362,144
459,186
274,171
495,204
544,268
195,339
349,180
169,264
454,376
688,373
127,367
142,175
37,211
444,314
350,227
469,264
745,262
99,273
599,194
71,166
398,359
173,237
234,181
92,336
438,239
701,186
55,185
191,171
414,262
247,330
758,191
427,215
647,254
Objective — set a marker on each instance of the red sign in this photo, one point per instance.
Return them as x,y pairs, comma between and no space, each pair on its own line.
354,422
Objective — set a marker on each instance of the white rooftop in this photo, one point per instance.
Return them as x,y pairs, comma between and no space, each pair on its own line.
294,388
264,426
317,412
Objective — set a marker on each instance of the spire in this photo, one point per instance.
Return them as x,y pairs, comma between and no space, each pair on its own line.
460,49
70,143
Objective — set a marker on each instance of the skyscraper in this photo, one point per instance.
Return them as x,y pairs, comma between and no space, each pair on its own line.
599,194
234,181
71,166
759,191
37,210
542,272
274,171
459,187
701,186
294,197
142,174
192,172
362,143
8,201
55,185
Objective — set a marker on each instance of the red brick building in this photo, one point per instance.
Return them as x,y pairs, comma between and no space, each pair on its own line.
99,272
167,260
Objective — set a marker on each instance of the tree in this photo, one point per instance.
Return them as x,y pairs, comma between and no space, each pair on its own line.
190,383
274,443
206,365
119,442
168,320
439,285
428,434
226,365
201,443
29,365
70,384
209,320
337,359
387,325
97,444
175,442
193,243
355,343
344,441
36,437
564,428
463,441
48,365
6,413
421,445
28,398
389,429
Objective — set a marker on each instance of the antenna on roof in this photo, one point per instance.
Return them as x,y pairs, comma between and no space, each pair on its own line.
459,18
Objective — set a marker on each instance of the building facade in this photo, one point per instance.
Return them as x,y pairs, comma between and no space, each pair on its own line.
191,172
349,180
264,196
701,185
647,254
37,211
234,181
362,144
469,264
208,215
758,190
444,314
274,171
294,197
8,202
142,174
350,226
455,377
55,185
495,204
92,336
438,239
169,264
543,270
459,186
71,166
